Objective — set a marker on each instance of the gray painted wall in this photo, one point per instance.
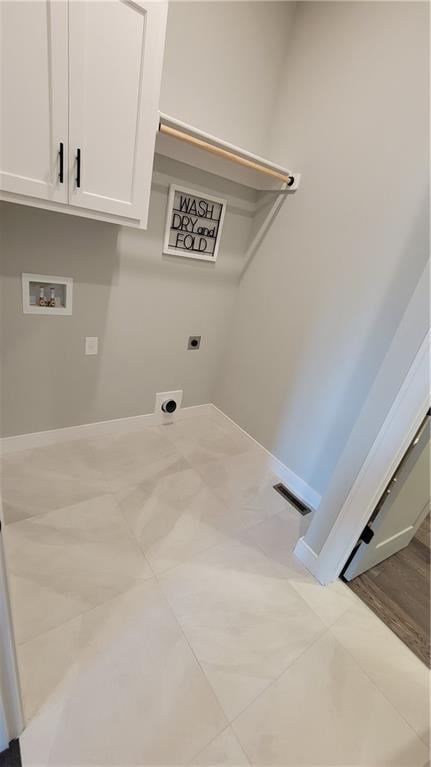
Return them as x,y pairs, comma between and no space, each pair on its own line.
395,366
223,64
320,303
222,68
142,305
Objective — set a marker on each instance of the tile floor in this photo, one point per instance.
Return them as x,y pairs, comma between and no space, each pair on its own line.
162,618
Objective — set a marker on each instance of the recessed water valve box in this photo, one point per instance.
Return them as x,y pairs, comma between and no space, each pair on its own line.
46,294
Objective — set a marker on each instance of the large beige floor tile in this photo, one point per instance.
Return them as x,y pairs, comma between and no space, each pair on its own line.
328,602
135,694
401,676
245,482
108,675
47,664
46,478
224,751
244,621
126,460
208,438
325,711
37,739
175,517
67,561
277,538
278,535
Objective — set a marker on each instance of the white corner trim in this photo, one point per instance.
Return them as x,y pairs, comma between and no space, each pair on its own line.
97,429
11,709
296,484
306,555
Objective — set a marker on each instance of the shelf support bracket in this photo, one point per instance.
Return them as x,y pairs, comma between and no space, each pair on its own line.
263,228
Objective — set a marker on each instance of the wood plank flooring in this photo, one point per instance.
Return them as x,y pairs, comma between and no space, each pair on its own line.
398,591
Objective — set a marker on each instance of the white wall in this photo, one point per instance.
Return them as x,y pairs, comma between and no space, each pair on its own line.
223,64
141,305
320,302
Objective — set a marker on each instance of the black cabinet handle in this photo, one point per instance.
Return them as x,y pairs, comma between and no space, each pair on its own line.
78,168
61,158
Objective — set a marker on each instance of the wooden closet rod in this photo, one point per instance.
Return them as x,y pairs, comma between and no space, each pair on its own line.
220,152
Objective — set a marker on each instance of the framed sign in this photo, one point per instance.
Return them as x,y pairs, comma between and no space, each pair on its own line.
194,224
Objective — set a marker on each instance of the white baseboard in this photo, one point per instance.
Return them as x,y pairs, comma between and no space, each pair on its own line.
307,556
297,485
99,428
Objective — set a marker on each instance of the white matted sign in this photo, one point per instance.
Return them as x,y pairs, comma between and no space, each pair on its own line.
194,224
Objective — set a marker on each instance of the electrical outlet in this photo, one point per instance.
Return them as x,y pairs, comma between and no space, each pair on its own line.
91,344
194,342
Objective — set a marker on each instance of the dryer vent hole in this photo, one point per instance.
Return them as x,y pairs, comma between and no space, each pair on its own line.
169,406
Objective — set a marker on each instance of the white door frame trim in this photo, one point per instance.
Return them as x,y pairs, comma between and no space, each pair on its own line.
11,709
397,432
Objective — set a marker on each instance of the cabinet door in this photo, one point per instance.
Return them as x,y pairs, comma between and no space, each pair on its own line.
116,54
34,95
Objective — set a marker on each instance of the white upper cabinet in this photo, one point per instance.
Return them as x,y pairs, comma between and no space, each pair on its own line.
34,95
114,49
83,75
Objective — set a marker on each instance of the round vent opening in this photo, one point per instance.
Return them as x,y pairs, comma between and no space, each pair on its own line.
169,406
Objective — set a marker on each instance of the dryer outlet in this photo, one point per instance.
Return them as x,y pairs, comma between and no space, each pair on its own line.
168,403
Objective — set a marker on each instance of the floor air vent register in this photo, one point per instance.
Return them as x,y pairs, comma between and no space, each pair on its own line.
291,498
